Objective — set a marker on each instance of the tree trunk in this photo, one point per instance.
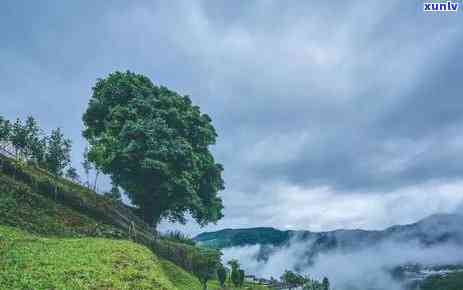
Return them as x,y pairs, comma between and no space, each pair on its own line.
96,180
88,180
151,216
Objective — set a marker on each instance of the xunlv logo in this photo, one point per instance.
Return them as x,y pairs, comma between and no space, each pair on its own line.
441,6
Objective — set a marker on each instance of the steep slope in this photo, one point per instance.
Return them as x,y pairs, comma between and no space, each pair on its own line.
38,202
435,229
31,262
55,234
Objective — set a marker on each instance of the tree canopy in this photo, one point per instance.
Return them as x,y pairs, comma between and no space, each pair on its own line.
326,284
114,193
222,275
58,155
235,275
154,143
292,279
241,277
205,265
27,142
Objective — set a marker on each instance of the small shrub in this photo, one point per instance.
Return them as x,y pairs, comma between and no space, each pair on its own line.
178,237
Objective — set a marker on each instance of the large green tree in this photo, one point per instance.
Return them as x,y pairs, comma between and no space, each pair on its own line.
154,143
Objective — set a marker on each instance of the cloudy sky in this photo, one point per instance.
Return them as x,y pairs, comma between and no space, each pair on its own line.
329,114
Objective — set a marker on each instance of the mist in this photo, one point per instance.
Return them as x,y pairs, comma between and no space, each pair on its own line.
363,269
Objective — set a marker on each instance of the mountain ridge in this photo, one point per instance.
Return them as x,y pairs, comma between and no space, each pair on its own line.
437,228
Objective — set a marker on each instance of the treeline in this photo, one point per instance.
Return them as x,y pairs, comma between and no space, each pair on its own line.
178,237
26,141
294,280
204,263
236,274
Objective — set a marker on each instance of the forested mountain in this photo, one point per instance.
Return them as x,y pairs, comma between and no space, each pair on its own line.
435,229
422,254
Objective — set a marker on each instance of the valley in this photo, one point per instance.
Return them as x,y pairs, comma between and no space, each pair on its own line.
399,257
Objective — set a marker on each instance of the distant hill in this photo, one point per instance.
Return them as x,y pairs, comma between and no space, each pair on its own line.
435,229
241,237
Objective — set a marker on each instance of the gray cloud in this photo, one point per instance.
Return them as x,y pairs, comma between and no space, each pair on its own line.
362,99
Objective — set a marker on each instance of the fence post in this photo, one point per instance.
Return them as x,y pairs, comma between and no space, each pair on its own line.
132,232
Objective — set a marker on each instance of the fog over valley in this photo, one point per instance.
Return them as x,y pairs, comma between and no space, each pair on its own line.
398,258
369,268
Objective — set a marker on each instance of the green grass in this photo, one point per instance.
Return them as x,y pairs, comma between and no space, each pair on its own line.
214,285
32,262
77,212
181,279
32,199
21,207
76,239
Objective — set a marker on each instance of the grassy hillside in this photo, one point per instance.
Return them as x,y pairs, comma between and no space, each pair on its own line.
33,200
21,207
55,234
30,262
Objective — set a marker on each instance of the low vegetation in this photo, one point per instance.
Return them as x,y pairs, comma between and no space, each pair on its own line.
293,280
31,262
179,237
53,229
38,202
27,142
452,281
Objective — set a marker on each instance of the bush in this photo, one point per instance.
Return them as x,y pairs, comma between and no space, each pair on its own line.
222,275
180,254
178,237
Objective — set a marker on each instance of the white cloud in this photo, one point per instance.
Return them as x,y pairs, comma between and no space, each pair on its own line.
287,206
